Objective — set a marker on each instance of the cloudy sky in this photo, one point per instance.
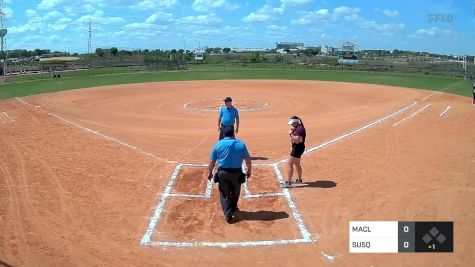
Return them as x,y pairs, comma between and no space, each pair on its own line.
441,26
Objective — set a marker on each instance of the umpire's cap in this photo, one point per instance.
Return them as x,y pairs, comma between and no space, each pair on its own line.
228,99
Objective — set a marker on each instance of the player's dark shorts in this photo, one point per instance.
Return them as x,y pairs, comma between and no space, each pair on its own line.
297,150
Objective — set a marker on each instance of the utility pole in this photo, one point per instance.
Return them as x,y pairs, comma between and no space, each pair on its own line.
3,33
89,43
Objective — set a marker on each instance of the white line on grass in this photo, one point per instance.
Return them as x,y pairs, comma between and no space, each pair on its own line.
443,90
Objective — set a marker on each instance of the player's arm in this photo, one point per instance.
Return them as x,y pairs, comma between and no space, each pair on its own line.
237,124
249,166
219,118
295,137
211,168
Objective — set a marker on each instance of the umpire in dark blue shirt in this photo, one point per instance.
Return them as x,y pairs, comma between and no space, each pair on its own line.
229,152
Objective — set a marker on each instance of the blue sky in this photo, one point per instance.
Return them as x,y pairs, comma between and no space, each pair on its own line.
441,26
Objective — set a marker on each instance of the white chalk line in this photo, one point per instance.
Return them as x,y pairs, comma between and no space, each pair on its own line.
295,212
146,239
8,117
229,244
441,91
411,116
158,211
445,112
249,194
307,237
264,105
107,137
356,131
24,102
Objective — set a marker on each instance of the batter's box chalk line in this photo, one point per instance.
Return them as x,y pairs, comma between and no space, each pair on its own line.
306,237
146,239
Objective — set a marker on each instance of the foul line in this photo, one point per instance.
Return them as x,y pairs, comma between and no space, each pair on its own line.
443,90
444,113
113,139
411,116
361,129
8,117
22,101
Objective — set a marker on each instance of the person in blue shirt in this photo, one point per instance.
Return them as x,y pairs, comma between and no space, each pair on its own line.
229,153
228,114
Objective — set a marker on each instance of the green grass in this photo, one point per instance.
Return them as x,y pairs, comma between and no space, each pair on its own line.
79,81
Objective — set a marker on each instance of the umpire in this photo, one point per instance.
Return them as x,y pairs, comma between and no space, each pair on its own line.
228,114
229,152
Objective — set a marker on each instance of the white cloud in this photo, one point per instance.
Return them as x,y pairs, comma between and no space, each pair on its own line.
389,13
30,13
7,1
323,15
208,5
344,10
152,4
433,31
277,29
200,19
20,29
53,14
99,18
207,32
60,24
160,17
387,29
49,4
264,14
288,3
308,17
142,26
253,17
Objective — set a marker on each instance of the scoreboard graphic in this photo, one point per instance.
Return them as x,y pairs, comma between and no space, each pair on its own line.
400,236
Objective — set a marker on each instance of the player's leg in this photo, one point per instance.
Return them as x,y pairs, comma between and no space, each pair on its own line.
224,187
290,173
298,168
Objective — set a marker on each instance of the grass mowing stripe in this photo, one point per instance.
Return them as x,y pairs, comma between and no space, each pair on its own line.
393,79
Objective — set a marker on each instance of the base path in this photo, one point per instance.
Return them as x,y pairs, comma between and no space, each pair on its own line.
82,173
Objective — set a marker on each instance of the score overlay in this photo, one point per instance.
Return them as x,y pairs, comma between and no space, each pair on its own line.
400,236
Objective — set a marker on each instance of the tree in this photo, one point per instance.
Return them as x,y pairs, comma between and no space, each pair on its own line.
114,51
255,58
181,51
287,51
217,50
173,51
99,52
209,50
226,50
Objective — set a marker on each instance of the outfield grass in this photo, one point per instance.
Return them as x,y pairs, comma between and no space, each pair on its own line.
449,85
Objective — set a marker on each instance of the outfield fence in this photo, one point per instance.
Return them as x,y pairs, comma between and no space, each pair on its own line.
452,70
